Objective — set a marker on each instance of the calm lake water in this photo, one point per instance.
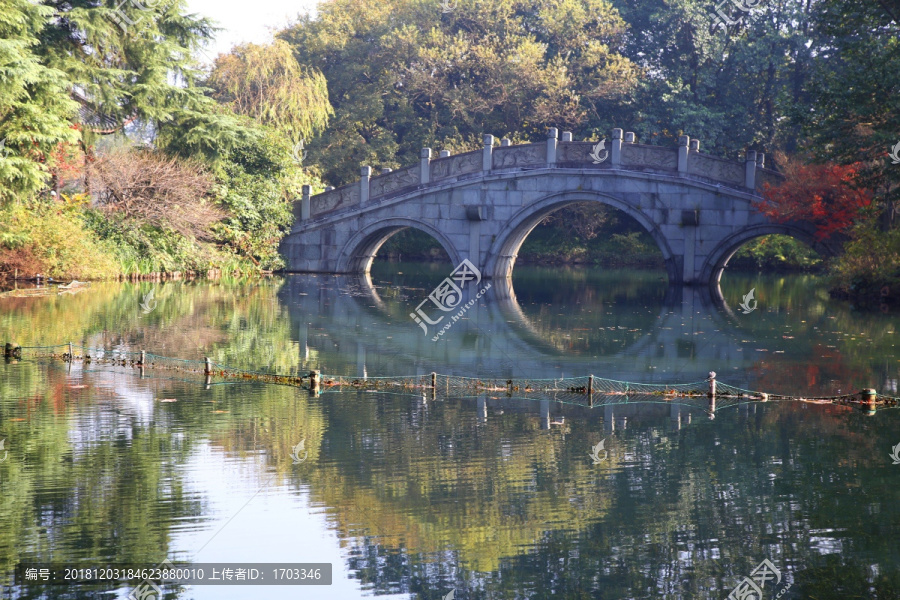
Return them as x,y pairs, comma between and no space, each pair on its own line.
413,498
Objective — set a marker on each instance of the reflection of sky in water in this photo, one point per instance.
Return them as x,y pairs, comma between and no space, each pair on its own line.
257,518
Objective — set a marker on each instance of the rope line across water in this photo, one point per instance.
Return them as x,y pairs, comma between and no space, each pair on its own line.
584,390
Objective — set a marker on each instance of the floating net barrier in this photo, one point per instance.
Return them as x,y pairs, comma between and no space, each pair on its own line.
586,390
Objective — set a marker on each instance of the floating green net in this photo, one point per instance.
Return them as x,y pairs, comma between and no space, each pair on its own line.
585,390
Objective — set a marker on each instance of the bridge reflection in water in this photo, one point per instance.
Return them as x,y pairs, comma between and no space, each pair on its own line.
340,318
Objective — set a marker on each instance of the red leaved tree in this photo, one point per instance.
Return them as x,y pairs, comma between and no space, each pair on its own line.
824,195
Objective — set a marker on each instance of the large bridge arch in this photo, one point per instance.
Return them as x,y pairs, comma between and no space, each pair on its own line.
718,259
502,254
359,251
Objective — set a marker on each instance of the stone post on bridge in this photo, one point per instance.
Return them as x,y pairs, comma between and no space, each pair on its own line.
425,166
487,162
750,170
505,142
365,177
566,136
304,202
616,148
629,137
445,153
552,136
684,148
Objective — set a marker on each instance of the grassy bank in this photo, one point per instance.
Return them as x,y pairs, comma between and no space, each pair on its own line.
67,240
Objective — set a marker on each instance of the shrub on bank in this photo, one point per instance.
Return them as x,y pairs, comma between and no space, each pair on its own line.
51,239
869,270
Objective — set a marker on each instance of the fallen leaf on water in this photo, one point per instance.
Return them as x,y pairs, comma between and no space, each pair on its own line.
169,400
219,411
77,387
17,419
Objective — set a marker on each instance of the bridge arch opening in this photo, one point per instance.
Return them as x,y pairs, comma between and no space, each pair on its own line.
411,244
774,252
366,245
635,228
743,245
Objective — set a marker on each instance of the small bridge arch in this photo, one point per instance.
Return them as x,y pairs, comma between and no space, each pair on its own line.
360,249
803,232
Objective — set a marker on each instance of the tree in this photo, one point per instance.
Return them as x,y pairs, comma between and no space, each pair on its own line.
728,86
402,75
35,109
267,83
854,115
825,195
158,190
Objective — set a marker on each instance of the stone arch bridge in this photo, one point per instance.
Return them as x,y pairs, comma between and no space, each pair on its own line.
482,205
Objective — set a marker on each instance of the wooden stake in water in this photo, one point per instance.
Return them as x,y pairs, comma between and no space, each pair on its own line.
712,384
314,377
71,353
590,391
208,370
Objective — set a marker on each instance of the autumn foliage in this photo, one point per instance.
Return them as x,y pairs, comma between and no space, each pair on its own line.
825,195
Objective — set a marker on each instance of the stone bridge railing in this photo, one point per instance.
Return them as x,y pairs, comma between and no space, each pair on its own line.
623,154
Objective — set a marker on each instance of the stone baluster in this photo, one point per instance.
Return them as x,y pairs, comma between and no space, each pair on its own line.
695,145
364,179
328,188
487,162
505,142
444,153
760,161
616,150
386,170
304,202
552,139
684,147
566,136
629,137
750,170
425,166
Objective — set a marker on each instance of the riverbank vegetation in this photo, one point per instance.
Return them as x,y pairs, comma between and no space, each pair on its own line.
813,85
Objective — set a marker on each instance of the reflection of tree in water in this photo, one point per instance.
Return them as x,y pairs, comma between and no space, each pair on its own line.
686,515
